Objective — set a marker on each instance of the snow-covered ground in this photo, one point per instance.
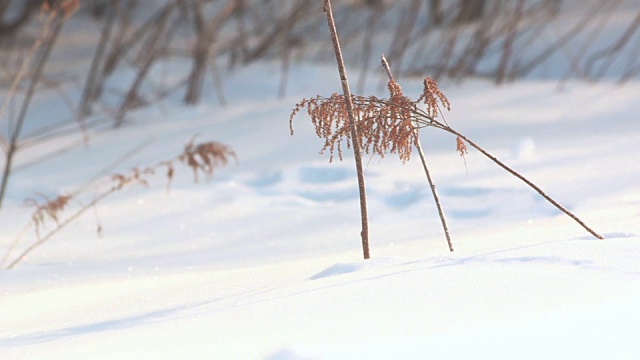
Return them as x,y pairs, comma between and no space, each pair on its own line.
264,262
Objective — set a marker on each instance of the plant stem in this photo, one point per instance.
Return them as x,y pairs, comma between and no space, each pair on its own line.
526,181
428,121
357,151
423,159
59,227
434,191
424,120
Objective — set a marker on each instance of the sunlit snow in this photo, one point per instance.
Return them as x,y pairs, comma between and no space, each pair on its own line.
264,260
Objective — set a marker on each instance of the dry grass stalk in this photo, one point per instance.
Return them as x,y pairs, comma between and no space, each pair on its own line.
392,125
202,157
430,97
385,125
49,209
205,157
353,127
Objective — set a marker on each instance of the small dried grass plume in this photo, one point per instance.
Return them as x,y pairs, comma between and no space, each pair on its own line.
385,125
47,209
206,157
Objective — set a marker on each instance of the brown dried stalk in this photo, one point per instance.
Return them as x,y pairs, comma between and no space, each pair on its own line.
203,157
430,98
384,125
353,127
391,125
424,119
50,209
40,240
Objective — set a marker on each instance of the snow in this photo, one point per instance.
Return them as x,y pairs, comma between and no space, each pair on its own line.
264,260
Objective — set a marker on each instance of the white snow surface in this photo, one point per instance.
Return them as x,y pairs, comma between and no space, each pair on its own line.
264,262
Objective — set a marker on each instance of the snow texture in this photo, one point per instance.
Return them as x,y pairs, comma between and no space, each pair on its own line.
264,262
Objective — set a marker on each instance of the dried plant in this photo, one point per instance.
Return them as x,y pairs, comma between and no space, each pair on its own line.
461,147
353,127
205,157
385,125
430,96
392,125
135,176
50,209
202,157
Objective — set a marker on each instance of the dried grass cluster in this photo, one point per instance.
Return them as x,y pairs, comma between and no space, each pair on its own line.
47,209
385,125
206,157
203,157
135,176
393,125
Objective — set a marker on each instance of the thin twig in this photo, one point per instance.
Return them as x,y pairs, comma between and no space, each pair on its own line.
428,121
526,181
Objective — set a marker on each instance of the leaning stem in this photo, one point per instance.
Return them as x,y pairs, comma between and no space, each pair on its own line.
60,226
434,191
428,121
423,119
526,181
423,159
357,151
